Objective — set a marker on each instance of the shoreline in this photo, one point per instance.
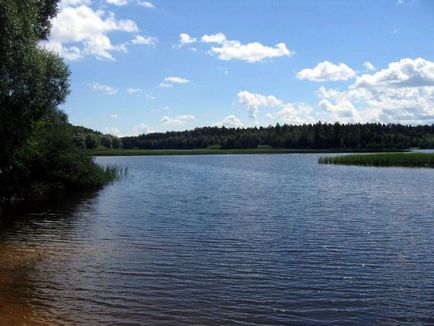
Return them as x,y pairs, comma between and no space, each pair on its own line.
205,151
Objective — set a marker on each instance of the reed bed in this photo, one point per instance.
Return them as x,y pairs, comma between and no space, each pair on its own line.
383,159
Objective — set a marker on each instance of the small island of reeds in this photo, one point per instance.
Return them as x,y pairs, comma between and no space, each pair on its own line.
383,159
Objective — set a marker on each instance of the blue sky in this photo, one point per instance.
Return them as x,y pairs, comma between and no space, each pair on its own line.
141,66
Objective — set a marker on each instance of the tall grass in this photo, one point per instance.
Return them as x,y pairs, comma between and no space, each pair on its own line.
384,159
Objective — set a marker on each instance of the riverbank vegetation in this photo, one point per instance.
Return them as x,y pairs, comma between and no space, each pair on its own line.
373,136
39,152
383,159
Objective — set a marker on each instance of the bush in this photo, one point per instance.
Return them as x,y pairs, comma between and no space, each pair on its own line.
50,161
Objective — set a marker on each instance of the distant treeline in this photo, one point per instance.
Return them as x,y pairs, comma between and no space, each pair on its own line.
317,136
93,139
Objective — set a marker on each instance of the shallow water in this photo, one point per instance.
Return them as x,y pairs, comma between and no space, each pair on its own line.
231,239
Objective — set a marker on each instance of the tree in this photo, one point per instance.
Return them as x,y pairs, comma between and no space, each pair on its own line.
33,81
40,152
106,141
116,143
91,141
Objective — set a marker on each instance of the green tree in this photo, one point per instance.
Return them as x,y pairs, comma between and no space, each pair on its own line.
106,141
91,141
116,143
33,81
39,152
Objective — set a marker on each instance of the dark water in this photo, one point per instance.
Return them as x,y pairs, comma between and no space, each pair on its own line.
227,240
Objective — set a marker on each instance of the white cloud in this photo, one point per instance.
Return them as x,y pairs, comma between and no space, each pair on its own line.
214,38
325,71
145,4
369,66
404,73
79,31
97,87
254,101
113,131
184,39
176,80
230,121
289,113
401,93
117,2
295,114
179,120
142,128
168,82
150,97
250,52
132,91
114,116
145,40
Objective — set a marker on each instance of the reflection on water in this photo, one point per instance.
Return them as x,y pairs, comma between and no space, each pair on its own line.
251,239
27,243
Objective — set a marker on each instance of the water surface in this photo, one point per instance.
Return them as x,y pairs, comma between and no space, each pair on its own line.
231,239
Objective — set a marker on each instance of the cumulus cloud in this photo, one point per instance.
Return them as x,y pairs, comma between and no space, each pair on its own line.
404,73
326,71
289,113
80,31
145,40
250,52
230,121
184,39
403,92
214,38
177,121
255,101
369,66
169,82
294,114
97,87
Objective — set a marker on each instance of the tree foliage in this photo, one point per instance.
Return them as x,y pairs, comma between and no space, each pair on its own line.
33,81
38,151
315,136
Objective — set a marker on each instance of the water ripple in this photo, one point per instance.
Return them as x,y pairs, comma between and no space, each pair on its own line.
239,240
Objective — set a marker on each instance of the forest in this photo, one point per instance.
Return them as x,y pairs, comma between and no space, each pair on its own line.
311,136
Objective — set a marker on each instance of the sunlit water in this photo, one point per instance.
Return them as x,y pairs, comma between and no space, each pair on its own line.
219,240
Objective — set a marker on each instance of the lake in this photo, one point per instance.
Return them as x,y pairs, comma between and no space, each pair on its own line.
226,240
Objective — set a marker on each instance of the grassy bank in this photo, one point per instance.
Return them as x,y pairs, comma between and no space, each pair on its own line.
204,151
383,159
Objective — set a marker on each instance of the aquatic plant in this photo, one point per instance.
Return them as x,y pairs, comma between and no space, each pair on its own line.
383,159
